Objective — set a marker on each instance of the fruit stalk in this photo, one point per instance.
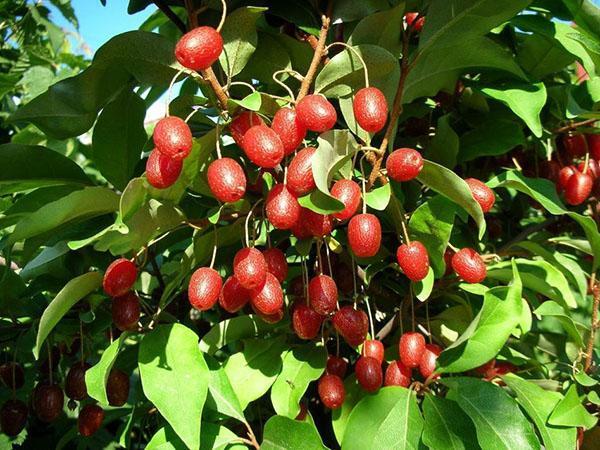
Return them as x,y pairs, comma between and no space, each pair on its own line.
589,353
575,125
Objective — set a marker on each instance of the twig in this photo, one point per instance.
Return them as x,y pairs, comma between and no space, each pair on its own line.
210,77
574,125
589,352
252,438
170,15
317,56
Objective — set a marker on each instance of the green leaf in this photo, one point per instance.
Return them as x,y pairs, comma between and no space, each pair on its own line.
381,29
443,147
477,143
379,198
569,412
424,287
172,367
212,437
553,309
447,427
540,56
301,365
251,102
282,433
320,202
96,376
221,396
389,419
270,56
74,290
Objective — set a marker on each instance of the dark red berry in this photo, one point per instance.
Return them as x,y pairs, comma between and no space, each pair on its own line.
226,180
575,145
469,266
579,188
352,324
263,146
75,387
348,192
90,419
593,168
276,263
427,363
126,311
316,113
364,235
300,179
282,207
306,321
368,373
12,375
173,138
317,225
162,171
271,318
48,402
370,109
13,417
204,288
117,387
242,123
119,277
404,164
593,142
288,127
336,366
296,286
448,254
331,391
414,22
411,348
323,294
303,412
397,374
487,368
250,267
374,349
564,176
199,48
233,296
413,260
268,298
482,194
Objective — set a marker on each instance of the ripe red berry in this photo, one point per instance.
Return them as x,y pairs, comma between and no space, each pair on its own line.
374,349
271,318
233,295
368,373
263,146
323,294
364,235
336,366
242,123
90,419
199,48
430,356
48,401
306,321
348,192
226,180
300,179
12,375
117,387
250,267
370,109
204,288
173,137
404,164
413,260
75,387
126,311
268,298
119,277
482,194
564,176
13,417
288,127
411,348
448,254
331,391
162,171
486,368
411,20
593,142
317,225
282,207
575,145
397,374
352,324
316,113
276,263
579,188
469,266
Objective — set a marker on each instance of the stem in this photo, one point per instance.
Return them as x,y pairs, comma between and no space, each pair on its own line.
595,287
314,64
370,317
360,58
168,98
170,15
210,77
242,83
214,254
575,125
223,15
282,84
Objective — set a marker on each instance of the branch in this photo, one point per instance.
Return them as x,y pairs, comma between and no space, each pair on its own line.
317,56
589,352
170,14
575,125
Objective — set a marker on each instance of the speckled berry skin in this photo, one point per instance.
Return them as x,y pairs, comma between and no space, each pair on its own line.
300,228
364,235
348,192
13,417
430,356
579,188
370,109
410,21
282,207
331,391
368,373
268,298
411,348
276,263
199,48
318,225
482,194
404,164
593,142
250,267
263,146
316,113
469,266
75,387
563,177
413,259
48,401
397,374
119,277
126,311
336,366
374,349
300,180
242,123
233,295
117,387
173,137
323,294
226,180
90,419
162,171
306,322
352,324
575,145
204,288
288,127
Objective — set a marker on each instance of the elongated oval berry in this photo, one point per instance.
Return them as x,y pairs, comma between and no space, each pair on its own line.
331,391
370,109
75,387
126,311
575,145
368,373
323,294
173,137
13,417
347,192
204,288
430,356
414,22
564,176
374,349
233,295
90,419
119,277
226,180
268,298
411,348
593,142
300,180
469,266
48,401
288,127
12,375
413,259
242,123
397,374
352,324
263,146
282,207
318,225
579,188
404,164
199,48
482,194
162,171
117,387
276,263
316,113
306,321
336,366
364,235
250,267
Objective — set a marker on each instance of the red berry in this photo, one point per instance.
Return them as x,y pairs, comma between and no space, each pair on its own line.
199,48
300,179
579,188
564,176
276,263
412,21
173,137
272,318
318,225
75,387
593,168
306,321
487,368
348,192
263,146
404,164
282,207
12,375
316,113
126,311
430,356
331,391
504,367
119,277
226,180
368,373
593,142
90,419
411,349
364,235
323,294
352,324
204,288
397,374
288,127
469,266
551,170
117,387
370,109
162,171
250,268
233,296
303,412
413,260
482,194
374,349
242,123
300,228
575,145
48,401
13,417
448,254
268,298
336,366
